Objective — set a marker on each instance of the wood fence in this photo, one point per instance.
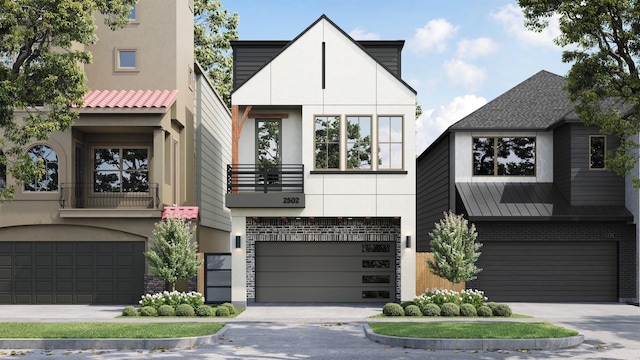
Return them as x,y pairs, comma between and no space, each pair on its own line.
425,279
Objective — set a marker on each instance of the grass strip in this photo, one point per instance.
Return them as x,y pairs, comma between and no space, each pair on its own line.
472,330
84,330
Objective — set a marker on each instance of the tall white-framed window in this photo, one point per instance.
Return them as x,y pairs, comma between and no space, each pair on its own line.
390,142
327,142
126,59
358,132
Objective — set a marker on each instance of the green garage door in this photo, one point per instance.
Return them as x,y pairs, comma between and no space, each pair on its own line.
549,271
325,272
71,272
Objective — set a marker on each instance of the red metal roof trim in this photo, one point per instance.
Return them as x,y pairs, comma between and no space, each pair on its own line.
130,98
187,212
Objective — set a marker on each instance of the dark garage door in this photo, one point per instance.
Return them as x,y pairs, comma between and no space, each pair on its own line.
325,272
71,272
549,271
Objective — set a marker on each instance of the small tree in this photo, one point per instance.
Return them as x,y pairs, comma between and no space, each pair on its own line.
455,249
173,256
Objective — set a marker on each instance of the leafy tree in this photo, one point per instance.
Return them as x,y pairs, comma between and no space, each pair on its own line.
213,32
41,72
173,256
604,41
455,249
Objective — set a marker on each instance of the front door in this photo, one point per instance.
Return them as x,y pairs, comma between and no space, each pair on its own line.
268,153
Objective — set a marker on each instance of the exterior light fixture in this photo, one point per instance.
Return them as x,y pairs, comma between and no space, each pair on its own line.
238,241
408,241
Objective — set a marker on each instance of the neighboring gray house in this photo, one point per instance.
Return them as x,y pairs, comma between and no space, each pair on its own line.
531,177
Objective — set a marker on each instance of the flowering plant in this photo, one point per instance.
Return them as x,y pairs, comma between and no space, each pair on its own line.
173,298
442,296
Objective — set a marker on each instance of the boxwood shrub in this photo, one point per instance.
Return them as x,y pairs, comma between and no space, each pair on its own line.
129,311
222,311
204,310
148,311
502,310
450,309
185,310
485,311
430,310
412,310
166,310
468,310
392,309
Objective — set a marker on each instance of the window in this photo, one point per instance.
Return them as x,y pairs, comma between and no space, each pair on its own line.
509,156
3,171
327,150
126,59
390,139
45,158
358,142
133,15
597,151
121,170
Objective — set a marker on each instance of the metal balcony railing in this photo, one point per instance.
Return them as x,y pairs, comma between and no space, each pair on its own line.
256,178
79,196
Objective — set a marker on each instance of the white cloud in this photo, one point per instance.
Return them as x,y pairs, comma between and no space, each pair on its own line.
432,37
360,34
432,123
512,19
460,72
471,49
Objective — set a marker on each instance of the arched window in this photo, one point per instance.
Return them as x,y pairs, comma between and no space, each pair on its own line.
49,160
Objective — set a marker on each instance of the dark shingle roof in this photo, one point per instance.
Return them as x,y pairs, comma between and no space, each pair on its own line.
535,104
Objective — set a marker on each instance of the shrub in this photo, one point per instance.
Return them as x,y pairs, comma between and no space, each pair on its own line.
185,310
473,297
222,311
485,311
492,305
129,311
173,298
404,304
204,310
450,309
468,310
431,310
166,310
392,309
441,296
148,311
412,310
502,310
232,309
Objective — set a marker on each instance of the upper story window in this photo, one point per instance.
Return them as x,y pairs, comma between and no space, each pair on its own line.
120,169
358,142
504,156
390,142
133,15
45,157
327,130
597,151
126,59
3,171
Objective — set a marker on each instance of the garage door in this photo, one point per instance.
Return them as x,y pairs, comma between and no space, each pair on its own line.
325,272
71,272
549,271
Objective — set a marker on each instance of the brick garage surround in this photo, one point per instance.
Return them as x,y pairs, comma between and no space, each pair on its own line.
318,229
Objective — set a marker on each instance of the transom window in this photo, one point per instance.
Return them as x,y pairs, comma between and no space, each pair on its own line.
504,156
121,170
358,142
597,151
390,139
327,142
45,158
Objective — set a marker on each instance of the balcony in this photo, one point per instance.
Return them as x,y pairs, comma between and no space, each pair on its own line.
81,200
256,186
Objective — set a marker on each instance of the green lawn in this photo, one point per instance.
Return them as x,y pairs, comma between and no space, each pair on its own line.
472,330
107,330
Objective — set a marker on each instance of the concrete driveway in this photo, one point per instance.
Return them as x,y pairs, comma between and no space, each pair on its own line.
612,331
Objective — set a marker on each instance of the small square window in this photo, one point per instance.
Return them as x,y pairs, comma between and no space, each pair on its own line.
126,59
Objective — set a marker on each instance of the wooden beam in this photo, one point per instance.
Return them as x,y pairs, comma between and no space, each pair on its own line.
236,129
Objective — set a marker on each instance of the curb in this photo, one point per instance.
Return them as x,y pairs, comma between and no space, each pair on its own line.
147,344
475,344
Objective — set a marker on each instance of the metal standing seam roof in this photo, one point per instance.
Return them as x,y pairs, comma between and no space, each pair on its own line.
130,99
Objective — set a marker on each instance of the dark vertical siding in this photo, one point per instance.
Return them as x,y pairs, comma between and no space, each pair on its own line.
432,190
562,159
592,187
387,55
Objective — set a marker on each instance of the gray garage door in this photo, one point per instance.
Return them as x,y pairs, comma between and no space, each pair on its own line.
325,272
71,272
549,271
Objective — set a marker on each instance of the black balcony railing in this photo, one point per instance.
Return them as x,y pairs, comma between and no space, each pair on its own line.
256,178
78,196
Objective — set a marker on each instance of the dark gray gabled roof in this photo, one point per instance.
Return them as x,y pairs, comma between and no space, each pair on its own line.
535,104
493,201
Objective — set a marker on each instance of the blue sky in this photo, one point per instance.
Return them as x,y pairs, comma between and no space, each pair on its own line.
458,54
